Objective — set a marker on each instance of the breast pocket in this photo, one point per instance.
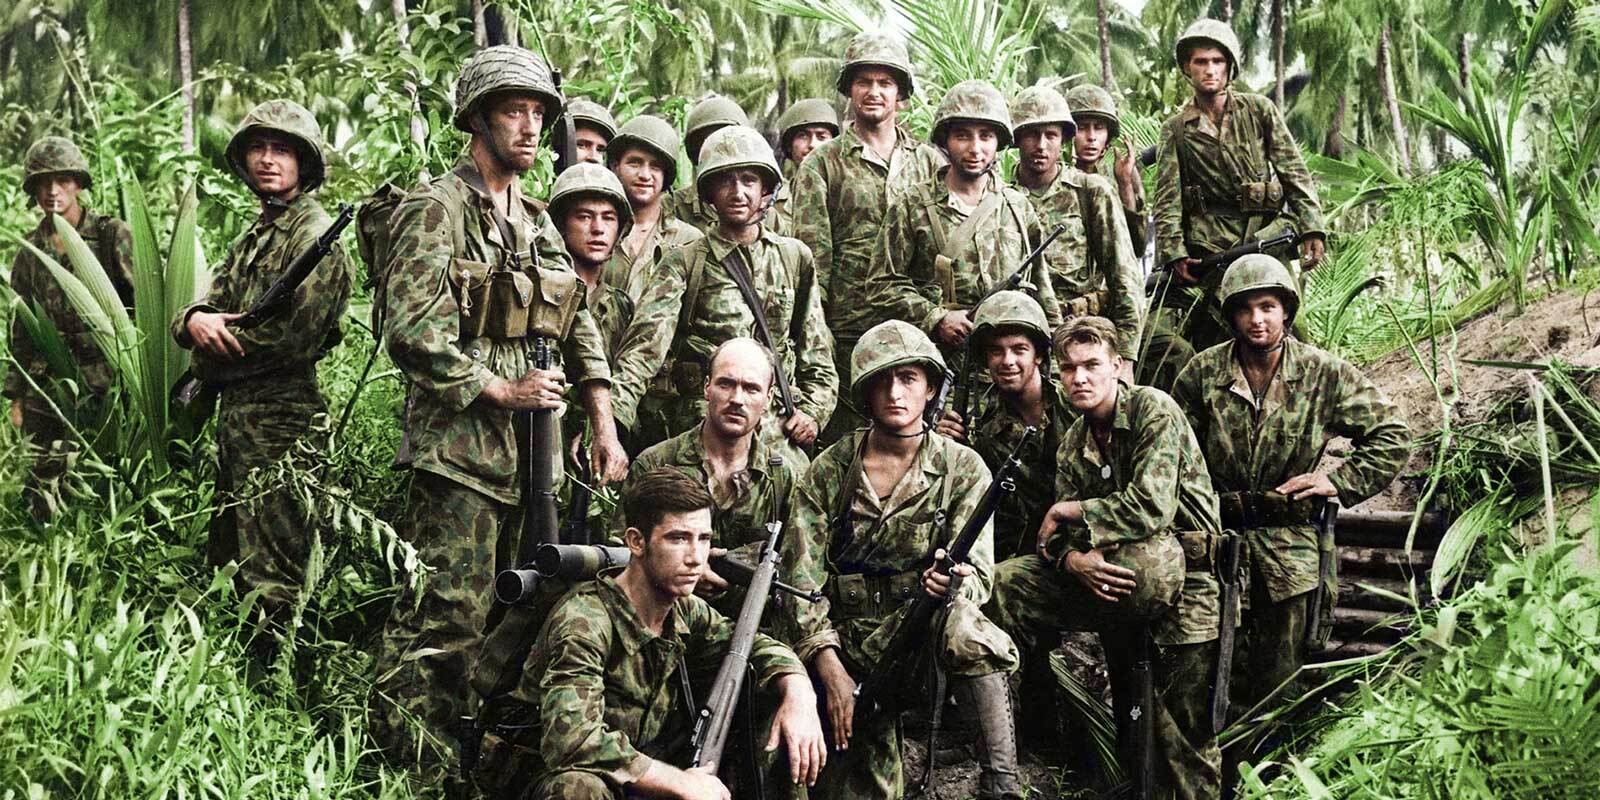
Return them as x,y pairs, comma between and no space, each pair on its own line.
469,285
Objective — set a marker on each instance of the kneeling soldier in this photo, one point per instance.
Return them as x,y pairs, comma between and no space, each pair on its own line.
1125,552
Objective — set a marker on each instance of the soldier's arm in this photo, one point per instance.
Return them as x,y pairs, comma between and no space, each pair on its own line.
583,351
649,337
1168,207
897,294
309,322
806,536
1113,255
1380,439
219,298
1148,501
1188,392
576,640
812,221
973,476
816,378
1299,188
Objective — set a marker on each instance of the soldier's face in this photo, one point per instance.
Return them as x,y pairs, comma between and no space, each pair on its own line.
1090,143
1089,373
874,95
643,175
591,145
738,392
1040,146
1013,361
674,554
737,196
897,397
57,193
806,139
590,230
273,164
972,146
1259,319
512,123
1207,69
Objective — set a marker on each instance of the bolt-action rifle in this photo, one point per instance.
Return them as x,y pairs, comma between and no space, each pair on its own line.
1288,238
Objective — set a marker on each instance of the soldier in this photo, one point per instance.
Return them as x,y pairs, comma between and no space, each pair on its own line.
843,190
1229,172
604,698
1098,128
268,374
593,129
590,208
1264,406
1124,551
711,114
694,303
948,242
645,158
478,282
870,512
801,129
1093,269
55,174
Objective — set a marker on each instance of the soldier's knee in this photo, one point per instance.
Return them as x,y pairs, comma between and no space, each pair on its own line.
973,645
572,786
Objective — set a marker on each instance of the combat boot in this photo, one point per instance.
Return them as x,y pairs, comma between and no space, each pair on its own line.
987,702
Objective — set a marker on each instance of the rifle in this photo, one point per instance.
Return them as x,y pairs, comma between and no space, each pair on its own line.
575,529
568,129
539,525
1228,572
581,562
192,393
1327,586
935,410
735,267
1288,238
1012,281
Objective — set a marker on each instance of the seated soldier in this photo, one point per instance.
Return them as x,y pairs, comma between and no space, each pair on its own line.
1124,552
876,508
602,709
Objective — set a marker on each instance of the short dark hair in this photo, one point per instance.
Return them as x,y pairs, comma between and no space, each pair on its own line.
659,492
1084,330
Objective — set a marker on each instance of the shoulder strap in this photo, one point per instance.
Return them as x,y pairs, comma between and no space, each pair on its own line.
692,281
968,229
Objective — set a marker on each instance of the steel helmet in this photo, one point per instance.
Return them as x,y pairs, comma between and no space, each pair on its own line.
708,115
50,156
804,114
1159,563
651,133
890,344
1012,309
586,111
287,118
871,49
587,179
1042,105
734,147
1090,100
505,68
1209,31
972,101
1259,272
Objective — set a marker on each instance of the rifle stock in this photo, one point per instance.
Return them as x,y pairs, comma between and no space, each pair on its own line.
1288,238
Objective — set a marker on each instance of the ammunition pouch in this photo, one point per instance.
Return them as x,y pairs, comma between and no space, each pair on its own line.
1199,551
1261,197
854,595
510,303
1247,510
556,305
944,276
1088,305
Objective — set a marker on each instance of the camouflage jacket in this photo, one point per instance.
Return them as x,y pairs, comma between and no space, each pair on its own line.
112,244
1093,256
285,349
600,688
842,194
906,280
442,232
1152,482
664,333
882,536
684,205
631,274
995,432
612,309
1206,178
1135,218
781,217
1314,397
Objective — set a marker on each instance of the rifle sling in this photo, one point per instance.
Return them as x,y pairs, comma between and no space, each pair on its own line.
733,262
468,173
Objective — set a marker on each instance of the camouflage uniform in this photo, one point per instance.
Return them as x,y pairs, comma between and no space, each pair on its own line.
1150,496
112,244
994,433
270,395
609,304
811,112
711,114
1255,445
1089,101
465,489
626,271
662,366
602,697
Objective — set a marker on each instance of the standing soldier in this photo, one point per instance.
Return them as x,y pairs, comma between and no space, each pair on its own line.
1229,172
593,129
479,283
1098,129
695,302
55,173
1264,406
1093,269
801,129
843,190
268,374
711,114
645,158
948,242
1125,551
871,511
590,209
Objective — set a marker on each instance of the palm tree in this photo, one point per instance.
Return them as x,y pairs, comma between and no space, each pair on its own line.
1103,28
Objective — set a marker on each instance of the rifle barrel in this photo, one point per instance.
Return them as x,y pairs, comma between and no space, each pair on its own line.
716,718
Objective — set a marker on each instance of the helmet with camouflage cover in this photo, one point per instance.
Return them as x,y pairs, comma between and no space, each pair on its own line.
1090,101
1259,272
804,114
891,344
591,180
1207,31
504,68
53,155
286,118
872,49
587,112
1012,310
972,101
1159,563
710,114
651,133
1042,105
734,147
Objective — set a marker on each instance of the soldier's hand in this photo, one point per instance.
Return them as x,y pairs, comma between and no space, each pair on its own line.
702,785
608,462
950,427
1313,249
800,428
839,690
16,412
538,390
711,584
211,336
1183,269
1103,579
937,584
1129,185
1062,511
1310,484
797,726
953,328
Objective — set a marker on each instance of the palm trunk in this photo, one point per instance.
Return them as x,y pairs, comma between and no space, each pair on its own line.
1463,63
1333,144
419,129
1103,20
1391,100
1225,11
1277,51
480,26
186,73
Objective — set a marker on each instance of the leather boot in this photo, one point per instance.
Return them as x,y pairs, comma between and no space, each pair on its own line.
987,701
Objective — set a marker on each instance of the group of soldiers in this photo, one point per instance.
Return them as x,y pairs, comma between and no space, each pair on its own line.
811,338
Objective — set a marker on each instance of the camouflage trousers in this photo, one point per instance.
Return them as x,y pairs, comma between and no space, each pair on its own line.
1163,351
1033,602
845,417
431,639
52,455
1271,646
